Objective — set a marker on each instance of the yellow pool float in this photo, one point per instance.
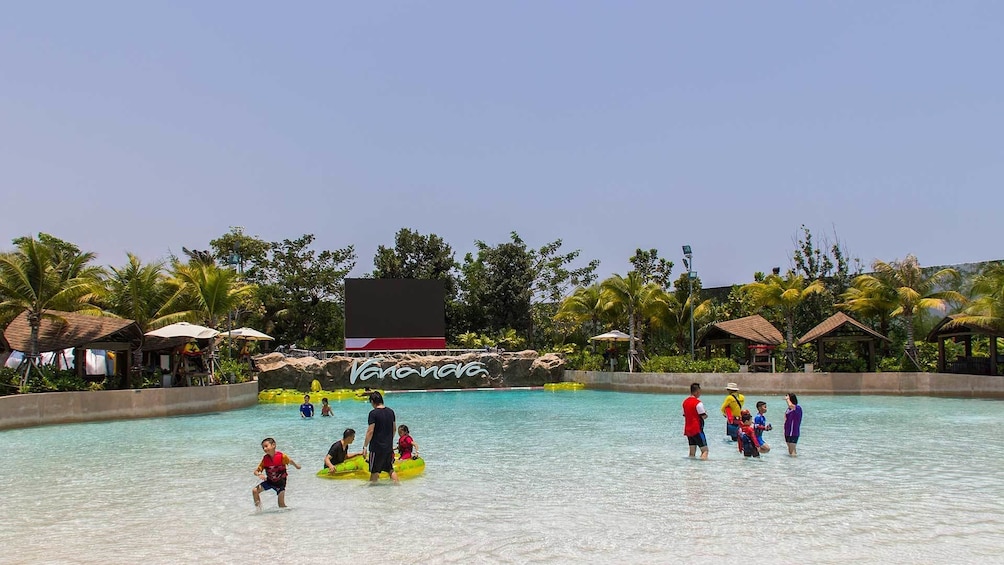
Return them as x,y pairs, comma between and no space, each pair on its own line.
554,387
357,468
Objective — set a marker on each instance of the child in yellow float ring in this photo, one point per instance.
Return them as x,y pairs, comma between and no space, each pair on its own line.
732,407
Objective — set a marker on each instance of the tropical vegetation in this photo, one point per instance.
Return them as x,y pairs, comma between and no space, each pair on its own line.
506,294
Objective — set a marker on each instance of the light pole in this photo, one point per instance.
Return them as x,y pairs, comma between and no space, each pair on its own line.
688,262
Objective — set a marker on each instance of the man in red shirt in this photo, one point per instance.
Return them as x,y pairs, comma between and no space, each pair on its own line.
693,421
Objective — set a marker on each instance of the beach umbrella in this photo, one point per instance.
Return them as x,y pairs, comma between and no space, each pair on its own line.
184,329
614,335
249,335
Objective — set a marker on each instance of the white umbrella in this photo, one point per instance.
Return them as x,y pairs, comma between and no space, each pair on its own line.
249,334
184,329
614,335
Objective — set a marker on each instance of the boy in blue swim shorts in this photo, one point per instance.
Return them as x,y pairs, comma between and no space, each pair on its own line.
272,472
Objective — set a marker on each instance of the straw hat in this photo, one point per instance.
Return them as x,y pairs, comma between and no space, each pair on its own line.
732,386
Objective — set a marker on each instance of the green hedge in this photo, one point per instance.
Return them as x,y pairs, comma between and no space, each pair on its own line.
683,364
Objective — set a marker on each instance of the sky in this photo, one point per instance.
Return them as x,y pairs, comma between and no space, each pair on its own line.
147,126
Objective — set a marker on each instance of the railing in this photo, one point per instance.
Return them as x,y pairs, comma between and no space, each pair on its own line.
322,355
969,366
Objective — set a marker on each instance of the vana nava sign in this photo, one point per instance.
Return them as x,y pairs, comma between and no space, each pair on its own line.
371,370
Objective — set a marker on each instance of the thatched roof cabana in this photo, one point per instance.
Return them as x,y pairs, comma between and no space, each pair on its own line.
70,330
754,333
947,328
841,327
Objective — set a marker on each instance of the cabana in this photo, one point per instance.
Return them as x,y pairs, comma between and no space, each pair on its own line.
755,333
967,364
841,327
70,330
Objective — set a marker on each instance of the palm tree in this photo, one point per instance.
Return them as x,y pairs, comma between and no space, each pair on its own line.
203,293
37,278
913,291
584,306
676,318
785,294
138,292
630,295
877,302
987,308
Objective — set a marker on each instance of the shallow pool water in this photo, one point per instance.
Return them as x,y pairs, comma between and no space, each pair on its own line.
518,477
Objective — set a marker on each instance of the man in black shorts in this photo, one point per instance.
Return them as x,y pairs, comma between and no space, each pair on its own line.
380,439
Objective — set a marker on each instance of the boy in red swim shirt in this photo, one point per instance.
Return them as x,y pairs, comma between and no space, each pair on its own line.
272,472
749,445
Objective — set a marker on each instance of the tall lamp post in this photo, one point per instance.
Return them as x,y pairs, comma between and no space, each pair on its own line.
688,262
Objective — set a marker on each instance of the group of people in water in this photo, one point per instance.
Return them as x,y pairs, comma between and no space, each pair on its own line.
272,470
740,425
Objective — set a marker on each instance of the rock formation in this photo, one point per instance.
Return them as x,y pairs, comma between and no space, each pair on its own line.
411,371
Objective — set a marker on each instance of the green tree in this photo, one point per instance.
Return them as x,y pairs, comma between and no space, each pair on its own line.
875,303
138,292
584,307
417,256
651,267
785,294
512,286
986,310
203,293
43,276
303,292
913,291
497,288
246,253
676,319
639,301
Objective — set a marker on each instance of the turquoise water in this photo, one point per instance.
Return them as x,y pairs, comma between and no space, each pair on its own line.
517,477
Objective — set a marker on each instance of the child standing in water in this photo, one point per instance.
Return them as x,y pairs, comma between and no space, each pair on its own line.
748,444
325,409
792,423
306,409
760,425
272,472
405,445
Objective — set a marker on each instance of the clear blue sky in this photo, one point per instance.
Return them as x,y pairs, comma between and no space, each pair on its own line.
143,127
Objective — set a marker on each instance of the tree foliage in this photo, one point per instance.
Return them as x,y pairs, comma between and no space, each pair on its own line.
303,292
512,286
911,290
651,267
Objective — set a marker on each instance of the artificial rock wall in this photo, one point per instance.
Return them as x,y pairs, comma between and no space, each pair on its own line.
410,371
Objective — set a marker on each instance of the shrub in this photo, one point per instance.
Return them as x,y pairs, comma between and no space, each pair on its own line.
584,361
683,364
229,365
10,380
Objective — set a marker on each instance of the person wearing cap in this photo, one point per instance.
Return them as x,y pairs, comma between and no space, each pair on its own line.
732,407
